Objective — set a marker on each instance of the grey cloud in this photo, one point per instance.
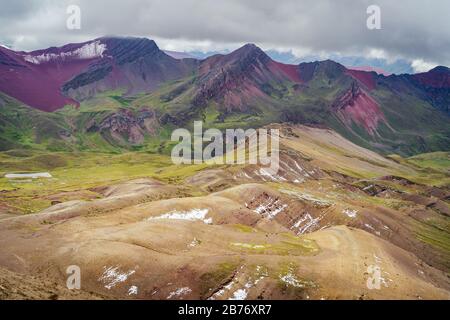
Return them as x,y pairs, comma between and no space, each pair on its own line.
413,29
17,9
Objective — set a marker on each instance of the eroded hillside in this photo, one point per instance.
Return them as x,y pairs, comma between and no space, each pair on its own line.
141,227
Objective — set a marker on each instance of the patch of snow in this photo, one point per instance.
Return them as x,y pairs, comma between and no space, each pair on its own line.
264,173
385,281
194,243
192,215
290,279
298,167
307,197
34,175
179,292
112,276
372,228
305,223
350,213
270,209
239,294
217,294
133,290
248,245
222,291
88,51
262,177
287,166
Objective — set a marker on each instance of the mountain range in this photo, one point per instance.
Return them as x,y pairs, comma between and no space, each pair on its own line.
379,65
116,93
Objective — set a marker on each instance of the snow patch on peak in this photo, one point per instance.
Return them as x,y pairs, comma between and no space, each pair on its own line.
90,50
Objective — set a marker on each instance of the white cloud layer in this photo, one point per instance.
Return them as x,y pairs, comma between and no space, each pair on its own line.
419,65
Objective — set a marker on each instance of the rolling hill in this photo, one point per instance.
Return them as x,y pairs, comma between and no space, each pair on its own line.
140,227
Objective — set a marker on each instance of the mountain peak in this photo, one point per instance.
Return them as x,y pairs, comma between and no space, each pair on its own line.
113,42
331,64
328,67
440,69
123,39
249,49
239,77
128,49
438,77
245,56
237,61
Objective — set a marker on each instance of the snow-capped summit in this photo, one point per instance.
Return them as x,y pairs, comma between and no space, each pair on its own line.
89,50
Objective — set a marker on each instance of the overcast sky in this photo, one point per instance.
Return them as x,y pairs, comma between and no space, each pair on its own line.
416,30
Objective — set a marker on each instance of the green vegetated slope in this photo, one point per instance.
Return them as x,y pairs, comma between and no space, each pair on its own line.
76,174
114,122
71,129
